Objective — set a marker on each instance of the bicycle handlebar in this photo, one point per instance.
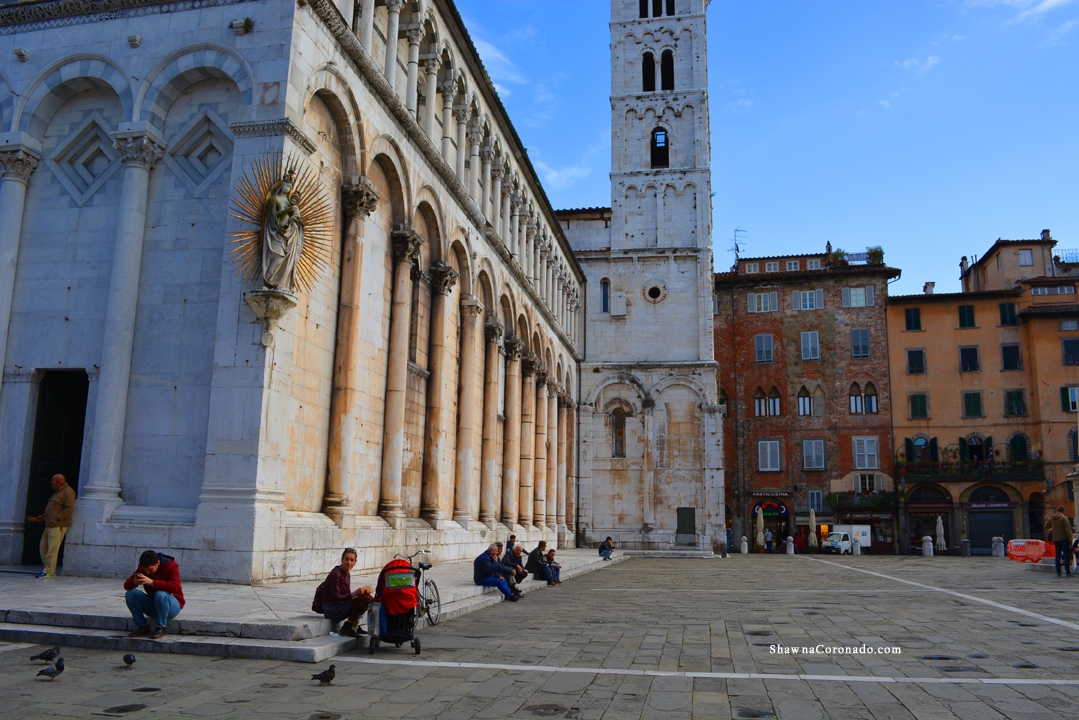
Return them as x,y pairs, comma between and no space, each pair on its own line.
409,557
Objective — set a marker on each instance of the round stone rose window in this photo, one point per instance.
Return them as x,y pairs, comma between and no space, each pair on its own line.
654,292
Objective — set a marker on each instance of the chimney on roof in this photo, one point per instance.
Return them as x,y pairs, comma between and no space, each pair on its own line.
1046,235
963,265
928,288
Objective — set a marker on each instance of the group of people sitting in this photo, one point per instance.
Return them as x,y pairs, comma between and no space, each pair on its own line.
506,567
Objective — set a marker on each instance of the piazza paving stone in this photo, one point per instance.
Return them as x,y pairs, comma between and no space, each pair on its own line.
702,628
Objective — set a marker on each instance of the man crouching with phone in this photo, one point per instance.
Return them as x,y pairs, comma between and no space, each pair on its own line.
154,589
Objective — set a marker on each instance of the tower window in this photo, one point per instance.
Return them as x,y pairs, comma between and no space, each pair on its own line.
618,434
605,293
644,8
657,8
661,152
666,70
670,7
648,72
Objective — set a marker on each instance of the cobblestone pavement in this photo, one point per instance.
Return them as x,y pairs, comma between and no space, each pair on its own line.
671,639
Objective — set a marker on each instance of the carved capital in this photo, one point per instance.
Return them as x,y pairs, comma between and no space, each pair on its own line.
140,150
494,331
406,244
475,136
395,6
496,172
530,230
448,90
359,198
462,114
431,65
487,153
443,278
528,364
541,374
414,35
516,204
513,345
507,190
17,165
471,309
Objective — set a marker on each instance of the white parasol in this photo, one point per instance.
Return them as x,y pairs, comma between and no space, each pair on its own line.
941,545
760,528
813,528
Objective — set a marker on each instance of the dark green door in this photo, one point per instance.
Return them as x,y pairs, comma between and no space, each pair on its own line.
687,526
61,413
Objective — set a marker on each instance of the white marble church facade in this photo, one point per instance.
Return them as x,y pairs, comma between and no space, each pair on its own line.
422,391
651,471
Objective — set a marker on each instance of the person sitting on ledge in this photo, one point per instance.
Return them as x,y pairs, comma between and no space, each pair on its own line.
535,561
336,601
154,589
488,572
513,568
606,548
554,570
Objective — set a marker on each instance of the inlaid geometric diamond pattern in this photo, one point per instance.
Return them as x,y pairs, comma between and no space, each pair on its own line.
201,151
86,159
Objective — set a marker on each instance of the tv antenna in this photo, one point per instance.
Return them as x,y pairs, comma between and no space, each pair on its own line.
737,242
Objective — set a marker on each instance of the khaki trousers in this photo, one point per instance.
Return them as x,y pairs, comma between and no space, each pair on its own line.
50,547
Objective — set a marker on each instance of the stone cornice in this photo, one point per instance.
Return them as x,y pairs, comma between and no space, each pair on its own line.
23,17
376,81
281,127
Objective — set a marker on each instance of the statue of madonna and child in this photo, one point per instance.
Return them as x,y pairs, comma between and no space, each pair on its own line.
282,234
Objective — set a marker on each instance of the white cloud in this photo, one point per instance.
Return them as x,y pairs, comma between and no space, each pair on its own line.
741,105
907,64
1041,8
885,104
501,69
561,178
931,62
914,63
1057,36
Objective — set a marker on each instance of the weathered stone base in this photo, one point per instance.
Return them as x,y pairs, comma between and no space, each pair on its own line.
301,550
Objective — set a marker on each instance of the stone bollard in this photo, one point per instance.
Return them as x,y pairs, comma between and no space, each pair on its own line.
856,547
927,546
790,545
745,546
998,547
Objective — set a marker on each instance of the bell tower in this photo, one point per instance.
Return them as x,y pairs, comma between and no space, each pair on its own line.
651,467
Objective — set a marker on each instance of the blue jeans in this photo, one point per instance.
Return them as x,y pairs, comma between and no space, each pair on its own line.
497,582
606,553
161,605
1063,556
553,574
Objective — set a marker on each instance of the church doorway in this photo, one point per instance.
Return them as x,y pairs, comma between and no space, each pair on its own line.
61,414
687,527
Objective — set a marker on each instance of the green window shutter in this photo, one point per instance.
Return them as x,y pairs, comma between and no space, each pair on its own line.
962,449
1065,400
988,445
934,453
908,446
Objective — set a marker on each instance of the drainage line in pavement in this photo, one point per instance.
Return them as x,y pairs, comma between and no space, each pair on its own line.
713,675
972,598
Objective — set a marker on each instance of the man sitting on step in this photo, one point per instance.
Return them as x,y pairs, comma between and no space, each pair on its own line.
154,589
513,568
487,571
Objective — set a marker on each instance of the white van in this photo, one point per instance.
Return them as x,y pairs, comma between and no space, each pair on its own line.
841,539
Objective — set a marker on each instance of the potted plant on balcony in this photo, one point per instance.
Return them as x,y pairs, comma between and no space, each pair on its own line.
875,255
838,258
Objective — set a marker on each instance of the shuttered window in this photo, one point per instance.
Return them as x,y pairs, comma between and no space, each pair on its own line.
919,406
866,453
813,454
1010,357
972,404
966,316
914,318
764,348
915,362
858,296
768,455
859,343
807,299
762,302
810,345
1007,313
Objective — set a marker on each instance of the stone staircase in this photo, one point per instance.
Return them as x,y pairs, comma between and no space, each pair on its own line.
299,638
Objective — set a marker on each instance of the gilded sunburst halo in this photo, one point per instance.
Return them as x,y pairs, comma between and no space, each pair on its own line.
248,205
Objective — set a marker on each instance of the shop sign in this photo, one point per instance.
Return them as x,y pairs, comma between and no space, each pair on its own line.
771,508
868,516
770,494
988,505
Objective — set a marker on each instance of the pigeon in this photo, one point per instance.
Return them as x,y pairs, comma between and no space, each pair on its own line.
324,678
53,672
47,655
129,659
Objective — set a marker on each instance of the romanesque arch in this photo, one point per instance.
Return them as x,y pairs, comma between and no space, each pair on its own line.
187,67
62,81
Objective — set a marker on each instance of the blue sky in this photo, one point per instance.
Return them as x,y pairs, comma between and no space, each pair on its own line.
930,127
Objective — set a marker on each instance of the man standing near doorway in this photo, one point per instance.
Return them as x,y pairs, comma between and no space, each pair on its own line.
57,519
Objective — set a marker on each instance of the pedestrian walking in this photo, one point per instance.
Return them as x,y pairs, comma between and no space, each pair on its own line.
768,541
1061,528
57,519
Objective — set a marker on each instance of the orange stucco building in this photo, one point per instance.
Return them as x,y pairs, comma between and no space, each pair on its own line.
985,387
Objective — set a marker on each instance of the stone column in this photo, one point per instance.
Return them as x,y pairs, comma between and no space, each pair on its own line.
552,457
465,492
139,151
528,438
430,66
367,23
511,444
507,200
571,468
540,481
17,161
392,25
495,198
526,250
436,452
515,224
563,413
486,154
541,275
449,92
490,463
414,36
358,201
462,114
406,250
475,137
648,477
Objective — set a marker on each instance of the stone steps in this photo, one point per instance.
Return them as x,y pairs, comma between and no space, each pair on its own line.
292,640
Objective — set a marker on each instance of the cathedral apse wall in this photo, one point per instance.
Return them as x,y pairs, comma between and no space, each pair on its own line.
408,379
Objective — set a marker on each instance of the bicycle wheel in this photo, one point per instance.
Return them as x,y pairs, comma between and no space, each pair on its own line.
434,602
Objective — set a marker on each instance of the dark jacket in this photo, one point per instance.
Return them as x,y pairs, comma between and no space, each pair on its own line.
338,587
534,560
511,562
166,579
485,567
509,547
605,546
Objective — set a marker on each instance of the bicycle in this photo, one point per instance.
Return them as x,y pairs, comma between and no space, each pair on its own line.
430,603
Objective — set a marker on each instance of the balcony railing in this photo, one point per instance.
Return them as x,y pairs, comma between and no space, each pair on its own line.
1028,470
